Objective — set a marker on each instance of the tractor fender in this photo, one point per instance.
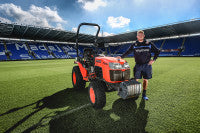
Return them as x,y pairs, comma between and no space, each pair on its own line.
83,71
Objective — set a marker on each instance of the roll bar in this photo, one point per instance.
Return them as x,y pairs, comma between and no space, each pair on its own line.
77,34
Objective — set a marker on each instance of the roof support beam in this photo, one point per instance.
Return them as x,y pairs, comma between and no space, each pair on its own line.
46,34
25,30
36,32
56,34
65,35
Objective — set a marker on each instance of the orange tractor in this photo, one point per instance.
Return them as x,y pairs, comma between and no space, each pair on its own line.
104,74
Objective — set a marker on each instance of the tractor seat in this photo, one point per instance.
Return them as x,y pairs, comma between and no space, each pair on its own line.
89,55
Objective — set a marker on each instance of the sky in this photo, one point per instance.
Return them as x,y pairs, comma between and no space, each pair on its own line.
114,16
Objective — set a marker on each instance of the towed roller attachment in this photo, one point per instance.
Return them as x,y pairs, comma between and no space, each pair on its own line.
129,89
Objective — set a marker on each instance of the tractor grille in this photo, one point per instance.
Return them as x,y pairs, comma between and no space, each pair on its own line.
127,74
118,75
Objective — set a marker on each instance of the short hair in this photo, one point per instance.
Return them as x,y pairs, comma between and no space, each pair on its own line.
140,31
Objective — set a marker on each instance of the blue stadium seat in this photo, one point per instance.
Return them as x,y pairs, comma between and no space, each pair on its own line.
2,52
158,43
19,51
192,46
58,52
40,51
125,48
81,48
112,49
171,44
70,50
120,49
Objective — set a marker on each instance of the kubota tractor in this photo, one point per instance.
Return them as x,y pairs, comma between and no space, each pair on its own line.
104,74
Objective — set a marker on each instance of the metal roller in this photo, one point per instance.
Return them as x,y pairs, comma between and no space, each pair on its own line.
129,89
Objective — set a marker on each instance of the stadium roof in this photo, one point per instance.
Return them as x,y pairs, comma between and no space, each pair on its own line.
16,31
169,30
30,32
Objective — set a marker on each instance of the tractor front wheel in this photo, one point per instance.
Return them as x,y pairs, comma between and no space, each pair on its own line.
77,78
97,94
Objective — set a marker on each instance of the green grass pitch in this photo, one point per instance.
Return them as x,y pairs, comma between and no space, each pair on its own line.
37,96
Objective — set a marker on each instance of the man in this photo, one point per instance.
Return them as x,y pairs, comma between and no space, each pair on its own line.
142,53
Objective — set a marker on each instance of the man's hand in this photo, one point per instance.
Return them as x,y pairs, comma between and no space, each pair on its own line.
118,57
151,62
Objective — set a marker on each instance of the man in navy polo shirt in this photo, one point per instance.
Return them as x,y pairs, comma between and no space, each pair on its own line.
142,53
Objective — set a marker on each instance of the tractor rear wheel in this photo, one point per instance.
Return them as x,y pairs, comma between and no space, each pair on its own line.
97,94
77,78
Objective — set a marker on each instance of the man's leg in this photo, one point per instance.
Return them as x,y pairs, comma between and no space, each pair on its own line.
147,74
145,84
137,72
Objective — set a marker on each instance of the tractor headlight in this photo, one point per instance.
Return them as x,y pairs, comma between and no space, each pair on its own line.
119,66
126,65
115,66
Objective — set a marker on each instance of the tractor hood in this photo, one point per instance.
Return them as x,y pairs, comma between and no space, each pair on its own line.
110,59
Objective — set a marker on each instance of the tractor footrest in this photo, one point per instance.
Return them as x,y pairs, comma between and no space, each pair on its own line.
129,89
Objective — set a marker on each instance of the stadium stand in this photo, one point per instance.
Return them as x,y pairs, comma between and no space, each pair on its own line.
192,46
19,51
40,51
2,52
70,50
34,43
122,49
118,50
22,51
57,51
158,43
171,44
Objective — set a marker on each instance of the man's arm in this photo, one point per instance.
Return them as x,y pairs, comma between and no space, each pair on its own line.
155,50
130,49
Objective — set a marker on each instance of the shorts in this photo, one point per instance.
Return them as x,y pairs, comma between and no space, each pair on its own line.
142,71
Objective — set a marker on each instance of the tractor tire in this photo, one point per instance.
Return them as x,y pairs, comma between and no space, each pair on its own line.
77,79
97,94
